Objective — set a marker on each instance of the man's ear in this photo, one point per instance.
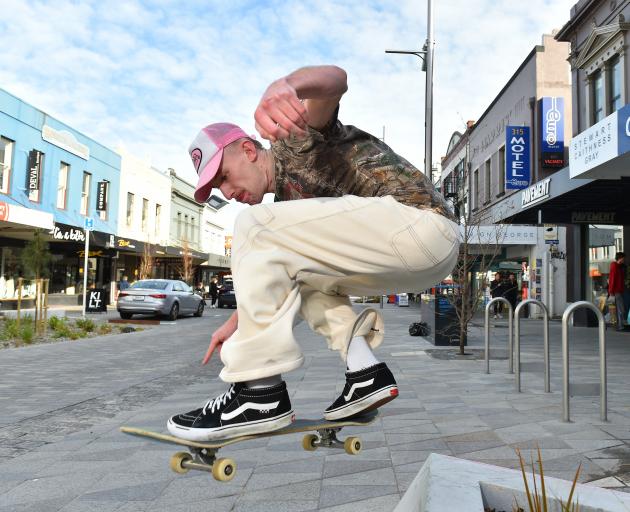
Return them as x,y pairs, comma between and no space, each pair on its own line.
250,150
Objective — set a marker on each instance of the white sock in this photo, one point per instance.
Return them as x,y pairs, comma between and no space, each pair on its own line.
267,382
360,355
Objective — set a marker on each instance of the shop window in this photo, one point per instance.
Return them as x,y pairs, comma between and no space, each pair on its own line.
145,214
6,157
501,180
130,201
615,81
85,193
598,96
62,185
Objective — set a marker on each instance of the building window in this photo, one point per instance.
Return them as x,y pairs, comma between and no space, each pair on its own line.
179,225
62,185
476,189
6,156
186,228
598,96
158,213
103,213
130,201
615,84
145,214
488,180
85,193
501,171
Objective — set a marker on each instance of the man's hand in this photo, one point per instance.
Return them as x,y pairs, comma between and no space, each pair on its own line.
220,336
280,112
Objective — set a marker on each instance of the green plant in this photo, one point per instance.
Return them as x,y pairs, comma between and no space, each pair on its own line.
86,324
36,255
9,329
59,327
27,333
73,335
538,502
104,329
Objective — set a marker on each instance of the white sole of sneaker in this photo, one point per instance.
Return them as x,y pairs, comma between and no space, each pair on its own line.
231,431
367,403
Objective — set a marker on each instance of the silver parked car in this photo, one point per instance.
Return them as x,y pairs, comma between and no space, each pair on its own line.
159,297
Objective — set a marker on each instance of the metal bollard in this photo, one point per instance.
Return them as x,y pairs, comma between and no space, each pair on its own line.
487,329
603,406
517,342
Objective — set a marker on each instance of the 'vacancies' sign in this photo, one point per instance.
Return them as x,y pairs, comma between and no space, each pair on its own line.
517,170
101,197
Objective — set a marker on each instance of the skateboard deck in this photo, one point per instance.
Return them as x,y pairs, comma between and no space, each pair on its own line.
202,454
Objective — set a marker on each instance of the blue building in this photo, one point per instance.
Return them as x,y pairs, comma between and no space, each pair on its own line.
52,178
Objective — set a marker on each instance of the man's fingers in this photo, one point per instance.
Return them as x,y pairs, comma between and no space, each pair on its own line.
210,351
264,134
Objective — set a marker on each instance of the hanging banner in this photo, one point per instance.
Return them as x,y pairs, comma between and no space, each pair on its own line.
101,196
517,169
33,172
552,131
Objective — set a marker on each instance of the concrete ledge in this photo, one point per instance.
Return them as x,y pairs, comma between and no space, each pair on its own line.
448,483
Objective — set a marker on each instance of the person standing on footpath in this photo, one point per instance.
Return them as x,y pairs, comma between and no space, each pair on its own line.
616,285
214,292
496,290
511,290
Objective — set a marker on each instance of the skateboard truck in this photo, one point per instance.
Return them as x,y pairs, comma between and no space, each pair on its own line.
327,437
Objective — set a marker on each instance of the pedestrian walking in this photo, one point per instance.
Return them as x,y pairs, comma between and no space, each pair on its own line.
511,290
351,218
616,285
214,292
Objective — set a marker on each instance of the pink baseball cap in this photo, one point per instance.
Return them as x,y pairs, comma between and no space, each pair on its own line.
206,152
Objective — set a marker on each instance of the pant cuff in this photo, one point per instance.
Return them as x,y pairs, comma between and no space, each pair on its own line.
260,373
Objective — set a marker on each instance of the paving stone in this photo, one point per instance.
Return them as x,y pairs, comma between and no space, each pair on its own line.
381,503
337,495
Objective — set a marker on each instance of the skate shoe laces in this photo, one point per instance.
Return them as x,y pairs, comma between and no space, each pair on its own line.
219,401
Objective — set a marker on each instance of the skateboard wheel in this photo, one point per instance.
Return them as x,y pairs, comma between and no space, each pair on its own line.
352,445
308,442
177,460
223,470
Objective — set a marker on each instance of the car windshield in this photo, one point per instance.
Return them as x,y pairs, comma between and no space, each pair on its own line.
150,285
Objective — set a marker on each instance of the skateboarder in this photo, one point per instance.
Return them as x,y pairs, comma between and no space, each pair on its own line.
351,218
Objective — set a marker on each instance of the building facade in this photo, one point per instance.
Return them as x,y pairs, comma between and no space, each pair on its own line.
53,178
510,137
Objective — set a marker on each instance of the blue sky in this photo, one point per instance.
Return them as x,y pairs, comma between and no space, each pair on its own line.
147,75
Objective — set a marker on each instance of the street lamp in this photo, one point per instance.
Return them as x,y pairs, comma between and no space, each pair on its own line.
426,54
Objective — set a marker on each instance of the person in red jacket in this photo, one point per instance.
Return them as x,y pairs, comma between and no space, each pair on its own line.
616,280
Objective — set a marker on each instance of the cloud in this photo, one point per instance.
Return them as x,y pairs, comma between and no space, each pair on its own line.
149,74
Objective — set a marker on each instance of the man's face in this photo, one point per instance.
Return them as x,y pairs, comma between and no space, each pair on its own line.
239,177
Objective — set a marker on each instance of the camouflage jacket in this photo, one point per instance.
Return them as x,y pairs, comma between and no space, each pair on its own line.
340,159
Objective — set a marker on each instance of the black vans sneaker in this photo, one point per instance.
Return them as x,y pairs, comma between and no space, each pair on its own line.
238,412
364,391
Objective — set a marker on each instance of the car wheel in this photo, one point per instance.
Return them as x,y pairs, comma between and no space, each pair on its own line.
125,316
174,312
200,309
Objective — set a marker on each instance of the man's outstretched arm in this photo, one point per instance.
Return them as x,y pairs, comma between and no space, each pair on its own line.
308,96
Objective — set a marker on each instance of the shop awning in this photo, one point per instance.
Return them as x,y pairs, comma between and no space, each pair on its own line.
18,220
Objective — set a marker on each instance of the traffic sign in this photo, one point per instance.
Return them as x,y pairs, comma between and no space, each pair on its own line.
89,223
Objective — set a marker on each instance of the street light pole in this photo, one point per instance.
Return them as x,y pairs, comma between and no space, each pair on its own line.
426,54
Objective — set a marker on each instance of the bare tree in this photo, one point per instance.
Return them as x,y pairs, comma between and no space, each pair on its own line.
186,267
480,244
147,262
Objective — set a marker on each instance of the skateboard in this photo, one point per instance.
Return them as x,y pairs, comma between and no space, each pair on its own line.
202,455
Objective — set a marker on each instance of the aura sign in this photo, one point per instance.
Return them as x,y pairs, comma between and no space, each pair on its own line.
517,169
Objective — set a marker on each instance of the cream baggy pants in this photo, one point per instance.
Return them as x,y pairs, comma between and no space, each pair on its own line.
303,258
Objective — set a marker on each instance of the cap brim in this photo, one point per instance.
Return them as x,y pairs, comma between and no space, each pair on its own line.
204,184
